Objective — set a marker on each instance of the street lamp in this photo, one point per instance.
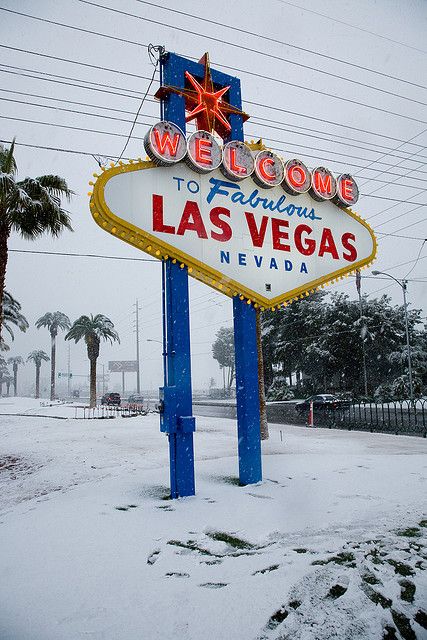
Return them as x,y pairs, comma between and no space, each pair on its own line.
403,285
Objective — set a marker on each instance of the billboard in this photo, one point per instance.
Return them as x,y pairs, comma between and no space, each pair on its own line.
122,365
277,232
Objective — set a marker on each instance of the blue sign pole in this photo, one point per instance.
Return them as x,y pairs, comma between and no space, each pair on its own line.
177,418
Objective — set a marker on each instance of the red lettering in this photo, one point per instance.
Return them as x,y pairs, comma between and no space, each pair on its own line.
165,142
323,184
257,235
279,235
263,163
158,224
192,220
221,224
237,168
203,151
352,251
306,246
347,189
327,244
299,179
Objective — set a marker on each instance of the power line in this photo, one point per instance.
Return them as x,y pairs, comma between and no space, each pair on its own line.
253,121
82,64
240,46
97,115
220,65
82,255
347,24
60,80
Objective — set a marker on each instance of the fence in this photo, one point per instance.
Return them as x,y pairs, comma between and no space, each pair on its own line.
109,411
392,417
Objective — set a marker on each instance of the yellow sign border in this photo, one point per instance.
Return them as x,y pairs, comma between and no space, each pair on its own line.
155,247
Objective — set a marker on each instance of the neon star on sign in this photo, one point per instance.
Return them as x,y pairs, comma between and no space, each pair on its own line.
204,103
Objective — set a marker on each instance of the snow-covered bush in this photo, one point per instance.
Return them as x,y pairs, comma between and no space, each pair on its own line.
279,389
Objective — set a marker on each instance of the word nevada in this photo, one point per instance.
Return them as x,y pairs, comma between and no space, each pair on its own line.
166,145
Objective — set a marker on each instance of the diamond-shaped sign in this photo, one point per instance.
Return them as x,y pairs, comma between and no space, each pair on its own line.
263,244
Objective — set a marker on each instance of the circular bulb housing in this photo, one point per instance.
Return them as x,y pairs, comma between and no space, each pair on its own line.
165,143
203,152
297,178
237,161
269,170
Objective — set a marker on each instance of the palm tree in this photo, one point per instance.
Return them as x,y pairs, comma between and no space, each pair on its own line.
38,357
30,207
12,316
15,361
92,329
53,321
4,374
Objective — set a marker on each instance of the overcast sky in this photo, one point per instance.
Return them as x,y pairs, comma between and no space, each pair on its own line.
336,130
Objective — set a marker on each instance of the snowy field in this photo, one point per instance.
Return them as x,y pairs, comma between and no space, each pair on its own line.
332,544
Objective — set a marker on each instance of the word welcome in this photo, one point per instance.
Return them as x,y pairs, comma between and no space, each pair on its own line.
166,145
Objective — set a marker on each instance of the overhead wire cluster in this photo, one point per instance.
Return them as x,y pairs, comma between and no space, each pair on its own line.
373,147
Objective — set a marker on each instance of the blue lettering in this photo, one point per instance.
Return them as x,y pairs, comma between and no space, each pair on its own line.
195,187
242,259
288,265
273,263
225,256
258,260
216,188
179,180
303,268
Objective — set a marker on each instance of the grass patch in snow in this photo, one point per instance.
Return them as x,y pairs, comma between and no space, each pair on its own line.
407,591
345,558
192,546
277,618
404,626
421,618
423,523
401,568
370,578
378,598
232,541
389,633
233,480
410,532
273,567
336,591
300,550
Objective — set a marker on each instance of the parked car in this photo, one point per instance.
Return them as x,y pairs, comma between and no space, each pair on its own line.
135,399
321,401
111,399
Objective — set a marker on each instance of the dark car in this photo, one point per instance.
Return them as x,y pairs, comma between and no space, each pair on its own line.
135,399
320,401
111,399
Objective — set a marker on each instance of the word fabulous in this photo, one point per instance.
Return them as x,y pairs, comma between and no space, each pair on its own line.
166,145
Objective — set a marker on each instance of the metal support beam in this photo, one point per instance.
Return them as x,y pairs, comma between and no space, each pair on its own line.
248,414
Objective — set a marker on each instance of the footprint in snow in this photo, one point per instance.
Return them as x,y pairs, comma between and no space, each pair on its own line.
259,495
153,557
176,574
213,585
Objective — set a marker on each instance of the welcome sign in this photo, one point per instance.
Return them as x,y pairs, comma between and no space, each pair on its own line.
265,244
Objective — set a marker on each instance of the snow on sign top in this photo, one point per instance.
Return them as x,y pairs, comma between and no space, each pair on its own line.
269,244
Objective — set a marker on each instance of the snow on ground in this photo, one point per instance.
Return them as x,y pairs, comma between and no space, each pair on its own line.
331,545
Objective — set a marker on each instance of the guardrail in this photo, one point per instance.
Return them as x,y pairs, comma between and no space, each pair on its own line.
403,417
105,412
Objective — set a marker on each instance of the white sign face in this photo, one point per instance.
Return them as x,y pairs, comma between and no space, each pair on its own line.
264,244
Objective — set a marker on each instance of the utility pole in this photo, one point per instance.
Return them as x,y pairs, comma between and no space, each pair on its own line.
358,287
138,381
